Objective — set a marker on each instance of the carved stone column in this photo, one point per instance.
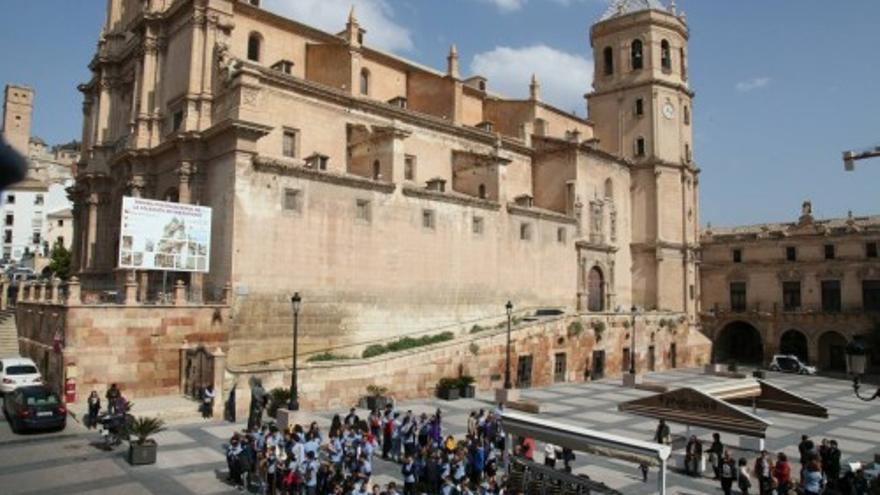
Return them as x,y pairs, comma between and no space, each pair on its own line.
41,297
92,232
136,186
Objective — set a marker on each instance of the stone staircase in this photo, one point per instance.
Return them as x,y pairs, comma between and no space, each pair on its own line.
8,334
173,409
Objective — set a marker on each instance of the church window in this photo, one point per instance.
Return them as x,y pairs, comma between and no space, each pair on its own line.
737,255
609,61
253,47
289,143
481,191
687,153
829,252
10,219
640,146
525,231
293,200
791,253
363,211
409,167
428,219
609,189
477,226
561,235
665,56
640,107
687,115
365,82
612,225
871,250
684,72
10,199
637,55
377,170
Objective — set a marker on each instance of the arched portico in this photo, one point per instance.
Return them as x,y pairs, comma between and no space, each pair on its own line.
831,352
738,341
794,342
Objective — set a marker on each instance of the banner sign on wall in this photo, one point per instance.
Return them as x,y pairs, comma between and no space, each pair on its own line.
158,235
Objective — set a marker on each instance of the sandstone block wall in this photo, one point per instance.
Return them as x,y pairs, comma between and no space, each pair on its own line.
135,347
415,373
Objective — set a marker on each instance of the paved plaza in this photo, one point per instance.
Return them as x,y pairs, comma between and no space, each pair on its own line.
191,460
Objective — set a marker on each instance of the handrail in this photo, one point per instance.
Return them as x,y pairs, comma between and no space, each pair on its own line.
364,343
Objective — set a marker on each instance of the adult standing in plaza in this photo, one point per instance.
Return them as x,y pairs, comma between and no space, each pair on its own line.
208,396
258,402
727,473
782,474
94,409
812,480
743,480
693,456
764,473
662,435
716,452
113,394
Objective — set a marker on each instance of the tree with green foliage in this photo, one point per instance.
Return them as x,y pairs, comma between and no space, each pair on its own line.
59,262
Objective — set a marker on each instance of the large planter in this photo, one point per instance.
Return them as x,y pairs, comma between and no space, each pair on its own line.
467,392
377,402
448,393
142,454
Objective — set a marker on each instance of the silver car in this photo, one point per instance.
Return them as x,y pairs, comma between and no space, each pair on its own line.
789,363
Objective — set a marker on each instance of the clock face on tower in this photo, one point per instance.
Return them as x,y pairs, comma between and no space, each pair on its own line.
668,110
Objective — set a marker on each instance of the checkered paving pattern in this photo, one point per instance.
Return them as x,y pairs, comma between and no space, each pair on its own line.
191,460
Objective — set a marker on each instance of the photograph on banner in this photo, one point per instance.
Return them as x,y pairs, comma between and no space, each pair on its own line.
159,235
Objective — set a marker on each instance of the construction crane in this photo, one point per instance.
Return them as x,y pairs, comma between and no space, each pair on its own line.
850,157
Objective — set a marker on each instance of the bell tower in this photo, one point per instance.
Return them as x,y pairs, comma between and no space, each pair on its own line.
642,108
18,106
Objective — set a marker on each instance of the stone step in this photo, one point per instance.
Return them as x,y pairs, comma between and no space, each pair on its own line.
173,409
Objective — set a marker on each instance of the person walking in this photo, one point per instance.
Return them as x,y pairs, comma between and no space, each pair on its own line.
94,409
743,480
727,473
662,435
716,453
550,455
832,463
408,471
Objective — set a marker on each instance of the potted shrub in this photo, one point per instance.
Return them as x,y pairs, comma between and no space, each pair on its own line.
278,398
142,448
447,389
376,397
575,328
466,388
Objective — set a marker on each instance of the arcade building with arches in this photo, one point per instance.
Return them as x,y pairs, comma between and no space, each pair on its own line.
805,288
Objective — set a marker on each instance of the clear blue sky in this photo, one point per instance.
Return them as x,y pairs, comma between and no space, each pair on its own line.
782,86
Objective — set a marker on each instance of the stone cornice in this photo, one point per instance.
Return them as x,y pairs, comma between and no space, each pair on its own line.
446,197
294,168
651,82
385,109
540,214
592,246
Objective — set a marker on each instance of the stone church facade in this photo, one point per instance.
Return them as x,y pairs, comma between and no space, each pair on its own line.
393,197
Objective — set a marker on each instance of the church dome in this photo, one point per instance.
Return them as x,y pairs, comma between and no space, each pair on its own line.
623,7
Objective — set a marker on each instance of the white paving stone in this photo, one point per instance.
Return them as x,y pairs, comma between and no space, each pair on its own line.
202,483
173,459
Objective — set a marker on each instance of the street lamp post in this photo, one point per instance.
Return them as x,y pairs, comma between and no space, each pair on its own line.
507,384
632,351
856,359
295,301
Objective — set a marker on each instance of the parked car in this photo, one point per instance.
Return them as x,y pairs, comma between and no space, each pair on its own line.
789,363
18,372
34,408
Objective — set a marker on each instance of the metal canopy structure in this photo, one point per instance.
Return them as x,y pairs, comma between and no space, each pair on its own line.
714,406
586,440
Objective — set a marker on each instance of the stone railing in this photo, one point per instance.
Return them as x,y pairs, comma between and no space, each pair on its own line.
71,293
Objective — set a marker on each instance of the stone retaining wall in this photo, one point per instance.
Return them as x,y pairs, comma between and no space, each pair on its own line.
137,347
414,373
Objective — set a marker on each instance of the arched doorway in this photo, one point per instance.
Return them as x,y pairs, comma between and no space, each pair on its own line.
794,342
740,342
831,352
595,290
